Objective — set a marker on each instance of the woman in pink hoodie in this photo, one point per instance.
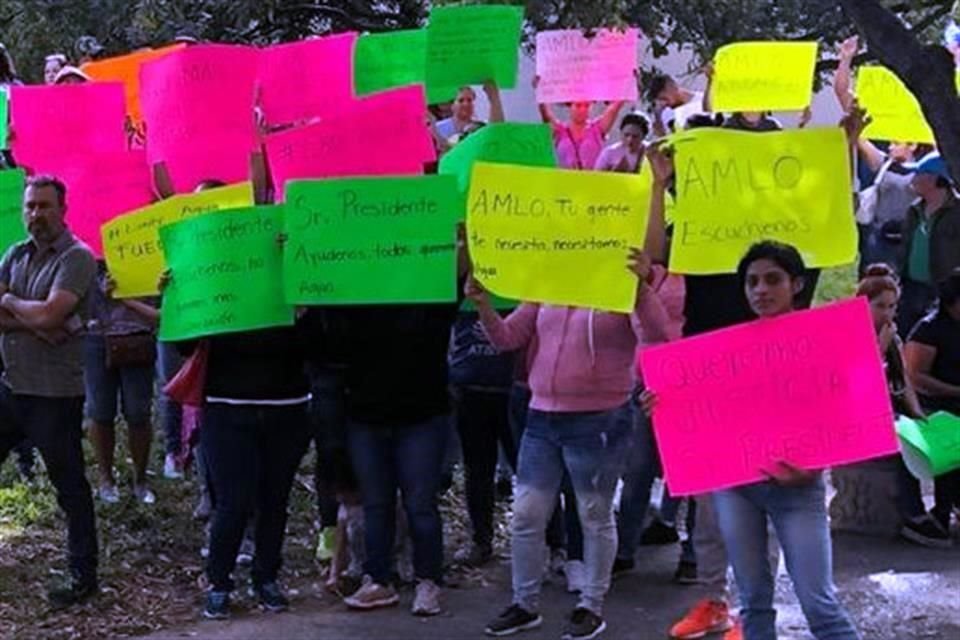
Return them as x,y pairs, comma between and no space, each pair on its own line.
580,420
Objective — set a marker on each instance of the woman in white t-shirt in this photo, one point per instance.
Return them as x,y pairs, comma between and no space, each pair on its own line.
626,156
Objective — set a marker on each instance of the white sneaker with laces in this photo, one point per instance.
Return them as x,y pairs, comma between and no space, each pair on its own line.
426,601
144,495
371,595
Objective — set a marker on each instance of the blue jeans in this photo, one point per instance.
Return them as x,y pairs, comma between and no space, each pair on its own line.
643,467
169,362
799,516
591,447
132,385
252,455
408,458
332,472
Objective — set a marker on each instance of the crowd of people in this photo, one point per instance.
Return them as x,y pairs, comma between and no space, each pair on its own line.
552,392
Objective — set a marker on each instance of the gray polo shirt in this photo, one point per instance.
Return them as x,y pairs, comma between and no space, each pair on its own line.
31,365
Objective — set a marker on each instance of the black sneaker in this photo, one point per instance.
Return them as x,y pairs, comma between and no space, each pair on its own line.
926,531
76,591
686,573
583,624
218,605
622,566
270,597
658,533
514,619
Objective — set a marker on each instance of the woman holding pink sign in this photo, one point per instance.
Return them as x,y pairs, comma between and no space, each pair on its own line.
772,276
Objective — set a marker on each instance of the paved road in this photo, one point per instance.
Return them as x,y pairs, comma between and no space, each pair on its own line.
895,591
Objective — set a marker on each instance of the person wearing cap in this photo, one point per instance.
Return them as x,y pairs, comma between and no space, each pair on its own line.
71,75
52,65
932,237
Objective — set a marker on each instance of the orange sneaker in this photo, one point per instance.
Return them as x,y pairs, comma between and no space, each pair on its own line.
707,616
736,633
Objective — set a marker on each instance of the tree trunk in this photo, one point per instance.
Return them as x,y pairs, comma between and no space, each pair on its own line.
928,71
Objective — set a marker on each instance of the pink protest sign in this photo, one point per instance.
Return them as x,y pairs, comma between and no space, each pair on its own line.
572,67
384,134
307,79
101,187
198,106
52,121
807,388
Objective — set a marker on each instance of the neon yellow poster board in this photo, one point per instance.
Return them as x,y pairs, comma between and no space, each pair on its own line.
763,76
131,243
556,236
735,188
894,111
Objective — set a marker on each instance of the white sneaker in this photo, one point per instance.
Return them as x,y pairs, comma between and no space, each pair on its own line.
576,573
171,468
426,601
371,595
108,493
144,495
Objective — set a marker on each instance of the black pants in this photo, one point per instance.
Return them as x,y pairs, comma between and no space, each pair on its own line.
55,427
483,423
333,472
252,453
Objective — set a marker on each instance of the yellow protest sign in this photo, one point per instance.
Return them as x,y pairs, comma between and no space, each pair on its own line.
763,76
735,188
894,112
556,236
131,243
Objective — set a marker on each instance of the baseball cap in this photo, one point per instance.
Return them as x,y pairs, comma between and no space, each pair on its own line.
931,164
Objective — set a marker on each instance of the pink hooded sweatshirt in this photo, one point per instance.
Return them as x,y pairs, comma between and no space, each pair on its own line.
583,359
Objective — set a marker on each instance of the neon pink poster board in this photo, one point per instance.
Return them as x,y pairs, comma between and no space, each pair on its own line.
384,134
808,388
96,195
307,79
198,106
78,119
573,67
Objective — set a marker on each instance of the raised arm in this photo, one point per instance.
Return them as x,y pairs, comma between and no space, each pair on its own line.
162,183
655,244
842,78
506,334
609,116
496,103
708,91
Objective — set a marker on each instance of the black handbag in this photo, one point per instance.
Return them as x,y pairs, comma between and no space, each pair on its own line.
131,350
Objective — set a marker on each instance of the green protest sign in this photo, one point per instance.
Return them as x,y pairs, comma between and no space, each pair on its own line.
503,143
371,241
12,230
470,45
934,444
4,117
391,59
225,274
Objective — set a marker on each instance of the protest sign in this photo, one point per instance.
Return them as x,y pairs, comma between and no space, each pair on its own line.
807,388
126,69
391,59
131,243
934,444
383,134
763,76
471,45
574,68
371,241
4,117
735,188
100,187
225,274
57,120
12,230
306,79
501,143
894,111
557,236
201,98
